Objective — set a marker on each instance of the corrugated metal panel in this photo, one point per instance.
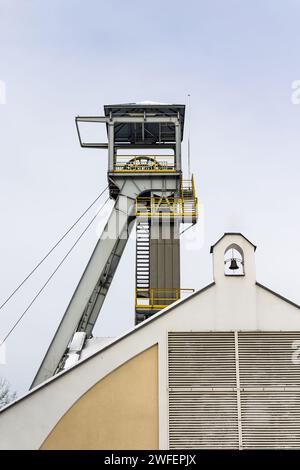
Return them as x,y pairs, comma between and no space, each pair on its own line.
201,360
266,359
164,255
215,378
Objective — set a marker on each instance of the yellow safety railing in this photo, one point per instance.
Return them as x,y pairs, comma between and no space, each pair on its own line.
158,298
145,163
171,206
188,186
193,185
185,206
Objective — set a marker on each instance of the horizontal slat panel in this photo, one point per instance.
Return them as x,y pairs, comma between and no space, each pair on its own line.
271,419
266,359
203,393
201,360
200,420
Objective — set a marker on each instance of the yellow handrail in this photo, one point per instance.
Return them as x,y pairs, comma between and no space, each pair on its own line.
149,298
174,206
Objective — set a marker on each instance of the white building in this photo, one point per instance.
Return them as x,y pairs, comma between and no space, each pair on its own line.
220,369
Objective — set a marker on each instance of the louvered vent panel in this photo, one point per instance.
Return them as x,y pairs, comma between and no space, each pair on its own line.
206,398
266,359
202,413
271,419
201,360
199,420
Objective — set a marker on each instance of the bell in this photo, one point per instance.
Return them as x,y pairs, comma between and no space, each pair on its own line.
233,264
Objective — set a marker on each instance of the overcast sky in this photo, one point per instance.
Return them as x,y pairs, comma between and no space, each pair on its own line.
58,59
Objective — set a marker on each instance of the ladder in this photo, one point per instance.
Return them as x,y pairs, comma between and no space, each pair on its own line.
142,254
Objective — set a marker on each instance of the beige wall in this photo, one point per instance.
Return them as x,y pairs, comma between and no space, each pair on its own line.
119,412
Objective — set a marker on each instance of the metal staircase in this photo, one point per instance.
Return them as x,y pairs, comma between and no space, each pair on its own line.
156,285
142,254
188,197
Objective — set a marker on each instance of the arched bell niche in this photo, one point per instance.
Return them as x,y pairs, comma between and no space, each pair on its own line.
234,261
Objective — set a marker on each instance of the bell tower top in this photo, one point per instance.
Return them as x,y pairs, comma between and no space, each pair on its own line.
233,257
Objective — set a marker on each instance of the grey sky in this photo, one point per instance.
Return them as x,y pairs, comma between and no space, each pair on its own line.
59,59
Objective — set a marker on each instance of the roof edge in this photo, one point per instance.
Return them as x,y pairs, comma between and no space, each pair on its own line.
117,340
232,233
278,295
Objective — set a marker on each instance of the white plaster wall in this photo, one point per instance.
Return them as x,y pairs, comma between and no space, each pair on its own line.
235,301
274,314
